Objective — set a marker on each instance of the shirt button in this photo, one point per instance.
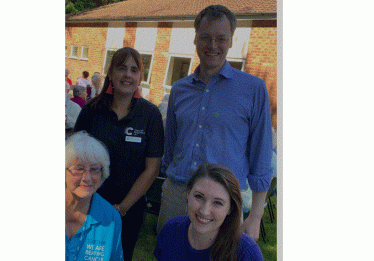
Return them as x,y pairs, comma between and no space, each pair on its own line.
207,90
200,126
195,163
197,144
203,108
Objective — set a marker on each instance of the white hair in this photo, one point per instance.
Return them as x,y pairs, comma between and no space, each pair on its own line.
78,90
96,77
86,148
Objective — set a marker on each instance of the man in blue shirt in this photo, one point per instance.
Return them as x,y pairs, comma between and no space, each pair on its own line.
219,115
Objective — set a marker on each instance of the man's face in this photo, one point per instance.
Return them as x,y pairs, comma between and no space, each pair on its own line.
213,40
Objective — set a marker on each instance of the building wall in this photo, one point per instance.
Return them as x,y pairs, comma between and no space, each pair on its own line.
260,60
160,61
130,35
93,36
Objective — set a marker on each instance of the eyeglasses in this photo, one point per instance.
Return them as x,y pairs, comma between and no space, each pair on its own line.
207,39
78,171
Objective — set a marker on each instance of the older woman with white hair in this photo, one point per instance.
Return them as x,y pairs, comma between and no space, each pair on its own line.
80,95
96,81
92,226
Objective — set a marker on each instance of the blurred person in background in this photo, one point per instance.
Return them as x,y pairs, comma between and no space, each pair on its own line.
80,95
67,72
72,111
163,107
83,80
97,85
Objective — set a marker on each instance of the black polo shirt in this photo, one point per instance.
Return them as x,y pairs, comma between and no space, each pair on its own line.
130,140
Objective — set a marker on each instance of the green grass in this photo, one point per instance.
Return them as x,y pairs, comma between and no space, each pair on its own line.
147,238
269,247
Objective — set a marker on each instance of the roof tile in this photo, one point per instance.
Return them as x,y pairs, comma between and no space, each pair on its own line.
168,9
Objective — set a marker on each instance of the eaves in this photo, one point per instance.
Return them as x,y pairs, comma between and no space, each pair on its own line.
249,16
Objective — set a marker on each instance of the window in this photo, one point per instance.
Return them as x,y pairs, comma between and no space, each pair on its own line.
240,41
74,51
237,64
147,63
179,67
108,60
84,55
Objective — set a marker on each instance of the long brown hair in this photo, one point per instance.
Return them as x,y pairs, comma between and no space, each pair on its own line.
227,243
119,57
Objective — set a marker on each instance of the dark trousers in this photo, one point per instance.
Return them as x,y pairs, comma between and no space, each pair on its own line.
131,224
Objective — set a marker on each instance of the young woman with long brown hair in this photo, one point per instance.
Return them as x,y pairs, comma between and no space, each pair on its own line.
211,231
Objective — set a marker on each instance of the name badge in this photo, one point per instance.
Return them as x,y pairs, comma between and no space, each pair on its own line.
133,139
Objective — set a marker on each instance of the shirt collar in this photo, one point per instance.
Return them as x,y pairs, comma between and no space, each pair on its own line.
135,111
226,72
95,214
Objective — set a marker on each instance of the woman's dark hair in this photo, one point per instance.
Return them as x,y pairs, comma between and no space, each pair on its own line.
227,243
119,58
214,12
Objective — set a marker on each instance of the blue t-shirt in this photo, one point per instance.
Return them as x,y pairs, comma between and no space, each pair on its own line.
99,238
173,244
226,122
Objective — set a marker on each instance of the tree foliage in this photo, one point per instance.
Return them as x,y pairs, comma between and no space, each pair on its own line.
73,6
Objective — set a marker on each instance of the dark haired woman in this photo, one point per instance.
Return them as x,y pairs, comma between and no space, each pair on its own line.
132,130
211,231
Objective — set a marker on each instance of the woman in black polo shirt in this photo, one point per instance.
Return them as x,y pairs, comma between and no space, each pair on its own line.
132,130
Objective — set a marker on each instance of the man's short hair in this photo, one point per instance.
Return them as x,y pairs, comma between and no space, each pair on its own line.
85,74
214,12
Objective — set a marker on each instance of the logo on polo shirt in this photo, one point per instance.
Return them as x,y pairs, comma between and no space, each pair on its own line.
131,132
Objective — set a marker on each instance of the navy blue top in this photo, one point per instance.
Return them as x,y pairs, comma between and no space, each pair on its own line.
173,244
130,140
226,122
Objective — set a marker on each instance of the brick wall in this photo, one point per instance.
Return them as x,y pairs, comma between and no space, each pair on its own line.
262,59
94,36
160,60
130,34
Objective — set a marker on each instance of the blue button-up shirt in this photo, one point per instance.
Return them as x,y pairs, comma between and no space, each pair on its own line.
226,121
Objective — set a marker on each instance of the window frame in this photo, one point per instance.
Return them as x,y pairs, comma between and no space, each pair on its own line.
237,60
71,52
105,59
81,57
171,56
150,66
